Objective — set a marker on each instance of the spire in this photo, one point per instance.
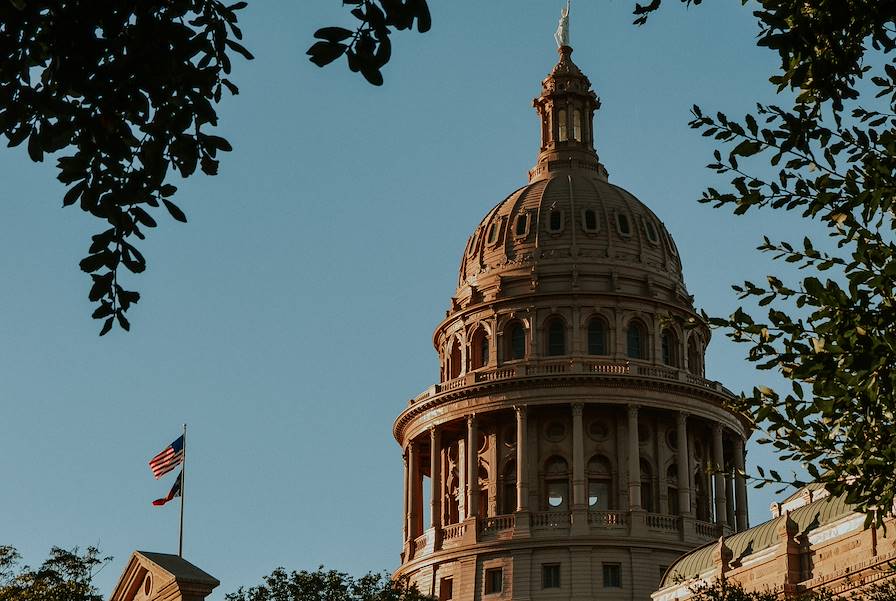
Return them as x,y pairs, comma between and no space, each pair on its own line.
566,108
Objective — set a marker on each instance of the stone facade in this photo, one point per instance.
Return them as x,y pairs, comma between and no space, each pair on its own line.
813,542
566,451
162,577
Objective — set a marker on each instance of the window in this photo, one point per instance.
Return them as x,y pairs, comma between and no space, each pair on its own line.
493,232
669,343
516,341
635,343
509,500
647,496
589,220
556,337
612,575
550,575
651,231
494,580
454,366
694,357
577,125
555,221
522,225
561,125
599,480
597,336
556,484
446,589
479,349
672,488
622,224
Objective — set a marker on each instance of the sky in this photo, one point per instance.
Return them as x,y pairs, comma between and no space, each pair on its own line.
290,320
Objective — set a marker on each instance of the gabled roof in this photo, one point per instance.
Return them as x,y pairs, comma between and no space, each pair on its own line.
154,576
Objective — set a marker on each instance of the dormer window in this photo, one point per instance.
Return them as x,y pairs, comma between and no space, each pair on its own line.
562,135
555,221
577,125
650,230
622,224
493,232
522,226
589,221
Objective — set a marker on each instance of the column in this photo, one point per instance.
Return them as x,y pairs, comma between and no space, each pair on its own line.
404,461
634,460
435,471
740,485
578,458
522,460
718,461
472,466
414,490
684,467
730,518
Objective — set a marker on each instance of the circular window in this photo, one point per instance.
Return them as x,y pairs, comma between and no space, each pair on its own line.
598,430
147,585
510,436
643,433
672,439
555,431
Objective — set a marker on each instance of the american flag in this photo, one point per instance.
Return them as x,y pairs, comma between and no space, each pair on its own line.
171,457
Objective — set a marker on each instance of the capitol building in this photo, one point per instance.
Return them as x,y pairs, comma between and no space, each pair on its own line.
574,447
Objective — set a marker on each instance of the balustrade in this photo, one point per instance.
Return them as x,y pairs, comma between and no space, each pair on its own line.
453,531
550,519
497,523
658,521
707,529
607,519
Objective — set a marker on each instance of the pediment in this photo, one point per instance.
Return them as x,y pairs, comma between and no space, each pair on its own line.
162,577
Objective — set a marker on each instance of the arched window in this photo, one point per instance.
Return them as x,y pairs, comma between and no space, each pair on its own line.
577,125
600,484
672,489
561,126
556,484
454,366
516,341
623,225
647,496
669,343
479,349
589,220
597,337
556,337
636,340
508,502
695,364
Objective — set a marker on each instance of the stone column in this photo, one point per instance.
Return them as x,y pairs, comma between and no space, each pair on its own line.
718,464
740,485
522,460
404,461
435,471
578,458
684,468
729,499
414,489
472,466
634,460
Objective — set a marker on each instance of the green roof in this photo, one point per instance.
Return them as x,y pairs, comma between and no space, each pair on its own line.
755,539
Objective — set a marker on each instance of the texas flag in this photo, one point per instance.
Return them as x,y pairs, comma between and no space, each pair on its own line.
174,492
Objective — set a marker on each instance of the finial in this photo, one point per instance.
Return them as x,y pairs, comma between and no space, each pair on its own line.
561,36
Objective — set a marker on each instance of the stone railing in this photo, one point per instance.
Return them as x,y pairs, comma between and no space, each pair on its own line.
496,523
707,529
550,519
421,543
659,521
453,531
572,366
607,519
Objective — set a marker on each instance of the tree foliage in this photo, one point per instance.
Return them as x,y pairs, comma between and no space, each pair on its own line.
64,576
726,590
829,156
327,585
123,91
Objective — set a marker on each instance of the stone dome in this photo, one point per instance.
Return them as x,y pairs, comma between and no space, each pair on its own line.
570,221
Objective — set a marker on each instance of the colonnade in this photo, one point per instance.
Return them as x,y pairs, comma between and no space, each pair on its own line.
729,483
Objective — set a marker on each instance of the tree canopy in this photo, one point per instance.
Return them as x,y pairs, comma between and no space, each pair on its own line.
63,576
327,585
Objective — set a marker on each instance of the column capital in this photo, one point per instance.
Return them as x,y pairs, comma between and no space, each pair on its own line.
471,418
632,410
520,409
682,417
717,428
577,408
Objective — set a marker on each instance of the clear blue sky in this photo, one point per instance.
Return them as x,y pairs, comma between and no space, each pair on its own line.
290,320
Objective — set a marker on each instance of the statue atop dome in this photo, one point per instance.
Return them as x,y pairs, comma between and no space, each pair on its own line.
561,36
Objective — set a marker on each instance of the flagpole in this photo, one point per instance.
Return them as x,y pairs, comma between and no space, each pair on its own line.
183,470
